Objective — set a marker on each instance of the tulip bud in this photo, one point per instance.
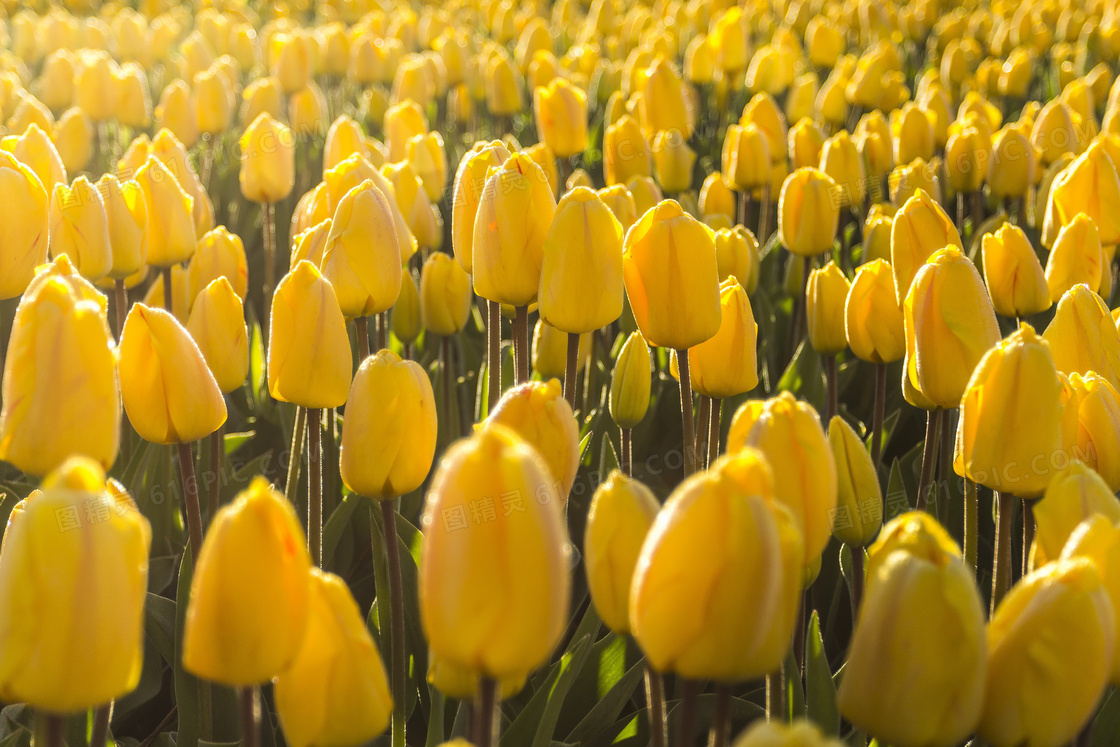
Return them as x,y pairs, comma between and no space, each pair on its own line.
134,102
291,65
808,192
309,359
800,733
60,361
920,228
79,228
630,382
737,256
73,139
24,213
219,254
825,42
403,122
716,196
543,156
351,173
621,514
746,157
344,139
93,547
470,180
912,128
217,324
35,149
445,295
1053,133
841,160
1050,648
920,597
538,413
1075,494
404,319
877,240
550,351
1098,539
1082,336
338,660
362,257
169,393
730,618
126,212
1097,407
674,161
859,503
560,110
469,555
1075,257
662,283
214,102
262,96
171,228
1011,168
248,609
427,157
515,212
826,295
1013,273
268,161
177,112
625,152
873,322
726,364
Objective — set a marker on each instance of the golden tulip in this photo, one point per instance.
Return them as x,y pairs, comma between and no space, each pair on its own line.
262,96
618,198
763,112
74,567
912,130
1088,185
730,618
177,112
127,215
344,139
966,154
470,180
168,149
662,282
491,509
550,351
402,122
905,180
310,244
726,364
350,174
806,141
503,87
746,157
663,105
730,31
1012,165
808,212
247,613
427,157
1014,276
445,295
1053,133
1097,406
73,139
1075,258
1075,494
920,228
35,149
630,382
169,393
716,196
1082,336
79,227
309,359
825,42
737,256
217,324
543,156
825,297
267,171
404,320
538,413
673,160
859,503
214,102
625,152
700,61
362,256
840,159
134,102
219,254
801,733
171,228
645,192
56,79
1098,539
560,111
24,212
291,65
873,321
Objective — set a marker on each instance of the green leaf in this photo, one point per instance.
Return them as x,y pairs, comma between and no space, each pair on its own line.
337,524
820,692
1107,723
536,721
804,376
794,695
159,625
896,500
610,705
234,441
186,686
257,371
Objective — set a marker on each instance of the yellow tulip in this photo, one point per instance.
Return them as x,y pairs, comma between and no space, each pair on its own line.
726,364
1098,539
560,111
1097,406
291,63
24,212
1082,336
1075,257
178,112
630,382
808,212
625,152
1014,275
127,213
35,149
673,160
716,196
550,351
171,228
1012,165
79,227
401,123
217,324
1075,494
445,295
350,174
538,413
134,101
746,157
470,180
262,96
215,102
1053,133
800,733
737,256
912,128
873,320
663,104
362,256
806,141
920,228
428,159
826,295
344,139
877,239
73,139
268,155
859,503
219,254
966,155
840,159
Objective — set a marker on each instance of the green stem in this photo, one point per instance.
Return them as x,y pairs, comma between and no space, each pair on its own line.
48,729
521,344
570,369
1001,571
722,716
165,273
929,449
250,714
315,485
217,450
268,227
361,328
715,415
688,439
485,705
655,699
686,723
627,452
493,354
99,732
877,415
396,612
971,506
296,461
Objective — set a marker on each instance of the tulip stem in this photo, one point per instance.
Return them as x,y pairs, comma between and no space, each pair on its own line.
48,729
722,716
521,343
715,417
396,614
1001,572
688,439
383,330
217,442
764,215
250,717
570,369
268,226
857,580
929,448
686,722
445,384
877,415
655,699
970,523
99,731
120,301
960,214
190,500
976,205
315,485
296,460
493,354
833,393
361,330
627,452
1028,535
744,206
774,689
167,294
485,705
702,425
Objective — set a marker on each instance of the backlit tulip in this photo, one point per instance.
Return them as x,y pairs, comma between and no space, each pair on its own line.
1088,185
630,382
389,434
663,104
1075,257
24,211
907,179
169,393
1073,495
1082,336
873,320
716,196
543,156
806,141
402,122
737,256
912,128
445,295
1097,405
79,228
262,96
134,101
477,613
404,318
841,160
877,239
217,324
60,390
808,212
470,180
350,174
859,501
726,364
920,228
625,152
35,149
335,692
1098,539
1050,648
219,254
1012,165
560,111
966,155
177,112
309,359
538,413
673,160
73,139
1053,133
215,102
291,62
427,157
362,256
825,297
127,213
621,514
344,138
171,228
247,614
801,733
268,156
1013,273
74,568
746,157
920,603
730,618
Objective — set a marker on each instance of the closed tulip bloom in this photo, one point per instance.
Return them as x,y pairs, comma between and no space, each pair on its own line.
726,364
404,318
503,87
1082,336
515,213
877,239
1088,185
645,192
841,160
621,514
477,613
920,601
920,228
1053,133
912,128
389,434
1014,383
344,138
825,42
470,180
560,111
134,101
859,502
1050,649
737,256
35,149
826,295
126,211
309,359
171,228
401,123
1012,165
217,324
215,102
291,65
1098,539
262,96
1097,405
673,160
445,295
362,257
350,174
625,152
806,141
630,382
248,608
73,139
427,157
581,283
789,433
1076,257
60,390
801,733
746,157
663,105
64,583
730,618
808,212
700,61
177,112
267,171
1075,494
716,196
24,213
538,413
873,320
219,254
63,269
664,279
169,393
79,228
905,180
1013,273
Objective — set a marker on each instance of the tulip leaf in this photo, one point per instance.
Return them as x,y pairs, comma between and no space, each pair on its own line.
159,625
17,725
257,370
896,500
186,686
337,524
610,705
535,723
804,377
1106,725
794,694
820,692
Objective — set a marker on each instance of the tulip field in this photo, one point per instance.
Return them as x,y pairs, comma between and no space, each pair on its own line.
559,373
